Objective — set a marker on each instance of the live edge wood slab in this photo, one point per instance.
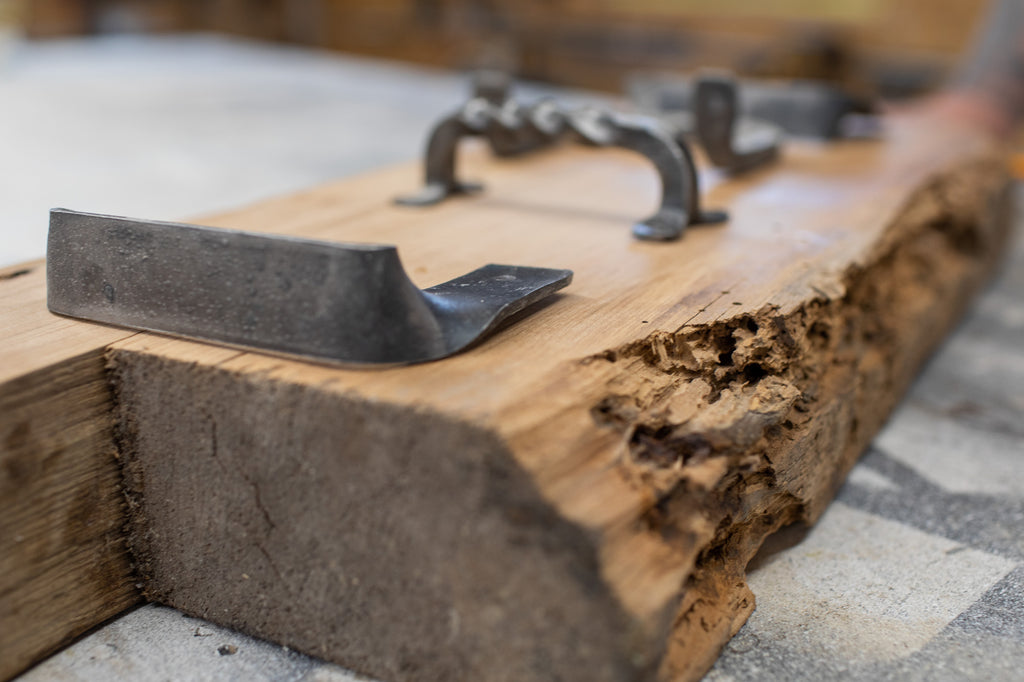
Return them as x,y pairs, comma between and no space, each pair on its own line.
575,498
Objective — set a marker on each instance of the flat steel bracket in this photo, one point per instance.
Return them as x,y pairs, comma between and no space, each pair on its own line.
331,302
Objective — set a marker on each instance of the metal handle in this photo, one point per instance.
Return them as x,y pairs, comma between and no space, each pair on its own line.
346,303
515,126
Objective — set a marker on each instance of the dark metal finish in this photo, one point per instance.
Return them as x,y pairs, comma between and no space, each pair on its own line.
800,108
516,126
495,86
345,303
719,131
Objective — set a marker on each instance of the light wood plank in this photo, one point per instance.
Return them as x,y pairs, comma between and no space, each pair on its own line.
676,405
64,564
579,494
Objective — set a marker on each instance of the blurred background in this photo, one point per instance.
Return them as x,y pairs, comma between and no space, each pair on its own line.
172,108
897,47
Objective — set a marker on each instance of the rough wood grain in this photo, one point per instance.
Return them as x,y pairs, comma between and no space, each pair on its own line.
63,562
575,498
63,559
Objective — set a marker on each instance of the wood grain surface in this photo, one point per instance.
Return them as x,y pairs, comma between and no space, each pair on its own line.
577,496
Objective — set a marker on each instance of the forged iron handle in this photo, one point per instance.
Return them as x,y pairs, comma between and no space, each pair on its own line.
514,126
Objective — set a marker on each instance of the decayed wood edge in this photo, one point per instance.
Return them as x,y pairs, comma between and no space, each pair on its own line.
64,565
740,427
731,429
875,338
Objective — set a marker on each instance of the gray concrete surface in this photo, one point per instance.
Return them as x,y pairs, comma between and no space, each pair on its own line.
915,573
158,644
173,127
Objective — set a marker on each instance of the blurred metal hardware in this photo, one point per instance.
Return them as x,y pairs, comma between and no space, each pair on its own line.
516,126
729,143
495,86
800,108
330,302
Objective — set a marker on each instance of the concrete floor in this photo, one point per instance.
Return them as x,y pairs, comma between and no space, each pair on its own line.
916,572
174,127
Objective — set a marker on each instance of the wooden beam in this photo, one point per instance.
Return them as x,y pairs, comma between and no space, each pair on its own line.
64,564
577,496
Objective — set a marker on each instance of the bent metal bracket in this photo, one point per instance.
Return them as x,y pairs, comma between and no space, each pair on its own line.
330,302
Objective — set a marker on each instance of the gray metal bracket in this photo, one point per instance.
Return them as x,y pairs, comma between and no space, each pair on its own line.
331,302
731,143
512,125
798,108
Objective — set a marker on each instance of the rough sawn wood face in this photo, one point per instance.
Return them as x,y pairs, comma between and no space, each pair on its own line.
399,541
577,497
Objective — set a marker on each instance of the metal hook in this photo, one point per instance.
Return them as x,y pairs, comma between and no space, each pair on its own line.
345,303
717,125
